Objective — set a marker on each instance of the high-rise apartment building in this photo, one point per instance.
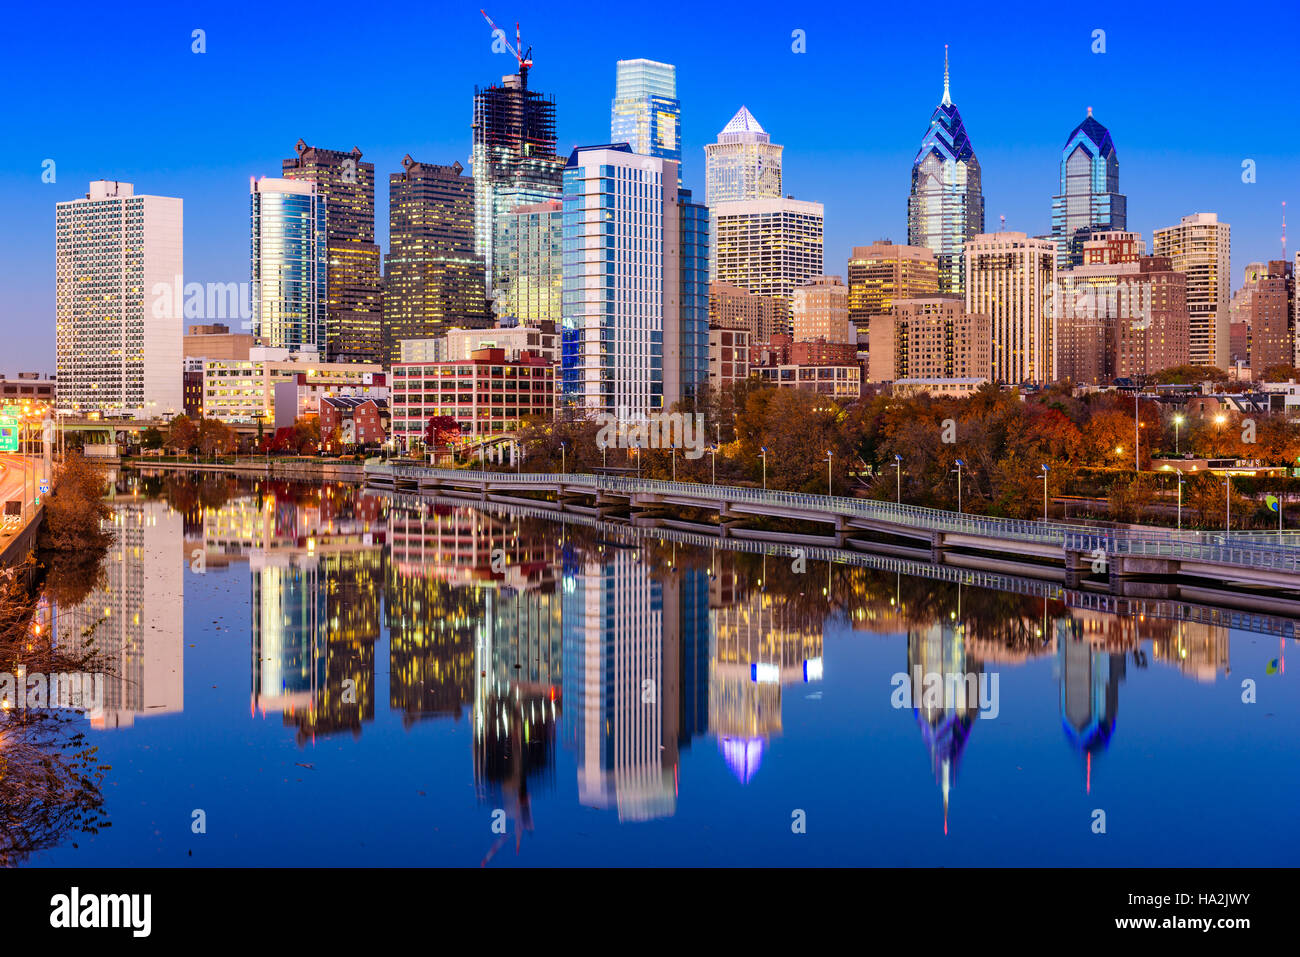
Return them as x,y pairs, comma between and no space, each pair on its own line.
744,163
945,208
1120,313
883,272
289,264
767,246
119,273
1201,247
732,307
635,328
513,161
1271,317
820,309
1010,278
355,306
930,338
1090,200
433,278
531,263
646,114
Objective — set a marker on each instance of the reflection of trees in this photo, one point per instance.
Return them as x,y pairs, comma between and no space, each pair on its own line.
49,775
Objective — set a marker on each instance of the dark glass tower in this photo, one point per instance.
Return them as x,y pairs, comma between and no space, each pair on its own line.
433,279
946,205
1090,200
355,294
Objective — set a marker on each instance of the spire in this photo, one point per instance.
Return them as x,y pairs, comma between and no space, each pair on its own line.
947,100
1090,111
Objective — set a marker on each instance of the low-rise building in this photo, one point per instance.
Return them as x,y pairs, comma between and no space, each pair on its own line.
728,357
459,344
840,381
361,420
487,393
245,390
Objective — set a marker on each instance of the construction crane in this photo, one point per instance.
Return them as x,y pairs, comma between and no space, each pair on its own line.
525,59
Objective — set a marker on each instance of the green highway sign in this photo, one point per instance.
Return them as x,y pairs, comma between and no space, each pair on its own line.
8,435
13,412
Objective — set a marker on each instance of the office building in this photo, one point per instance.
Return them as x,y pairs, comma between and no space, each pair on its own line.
530,267
883,272
289,264
1010,278
118,274
931,338
743,164
216,341
945,207
767,246
1090,200
245,390
820,308
513,161
433,275
1201,247
1272,317
457,345
733,307
355,306
635,330
646,114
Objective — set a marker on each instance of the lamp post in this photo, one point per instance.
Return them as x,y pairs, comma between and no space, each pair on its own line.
1180,500
564,460
1137,438
603,450
1045,471
829,478
763,450
713,451
673,453
1218,433
1227,502
898,478
1178,420
960,463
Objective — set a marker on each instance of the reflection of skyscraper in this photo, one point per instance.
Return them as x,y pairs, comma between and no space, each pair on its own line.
616,688
131,618
759,646
940,649
1090,681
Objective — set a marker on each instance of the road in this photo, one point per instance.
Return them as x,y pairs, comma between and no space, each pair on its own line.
11,476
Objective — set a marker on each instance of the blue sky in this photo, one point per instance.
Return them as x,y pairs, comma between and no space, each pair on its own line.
116,93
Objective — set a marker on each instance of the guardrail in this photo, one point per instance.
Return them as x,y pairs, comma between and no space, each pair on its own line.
1247,549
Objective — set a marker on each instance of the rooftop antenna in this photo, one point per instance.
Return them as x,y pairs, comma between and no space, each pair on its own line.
1003,218
1284,229
947,100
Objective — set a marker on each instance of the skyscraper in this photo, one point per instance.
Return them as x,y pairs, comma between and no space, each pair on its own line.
767,246
1271,317
646,113
529,243
1201,246
355,307
433,278
883,272
635,301
743,164
289,264
514,161
1090,200
1010,278
945,208
118,278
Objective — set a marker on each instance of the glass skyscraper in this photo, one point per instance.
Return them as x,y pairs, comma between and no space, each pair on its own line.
289,264
1090,200
646,114
743,164
946,205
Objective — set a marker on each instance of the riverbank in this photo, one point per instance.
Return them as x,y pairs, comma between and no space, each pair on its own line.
257,465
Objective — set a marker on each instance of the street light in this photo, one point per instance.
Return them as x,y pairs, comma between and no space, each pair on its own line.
960,463
1180,500
1227,500
1218,433
898,477
713,451
673,453
1137,439
829,460
764,451
1178,420
1045,471
564,462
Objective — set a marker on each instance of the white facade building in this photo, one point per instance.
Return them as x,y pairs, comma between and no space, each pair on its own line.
1010,278
119,269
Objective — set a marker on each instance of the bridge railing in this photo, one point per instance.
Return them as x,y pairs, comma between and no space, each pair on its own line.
1246,549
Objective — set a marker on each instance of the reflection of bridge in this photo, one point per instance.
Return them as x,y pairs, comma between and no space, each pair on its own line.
1173,609
1135,562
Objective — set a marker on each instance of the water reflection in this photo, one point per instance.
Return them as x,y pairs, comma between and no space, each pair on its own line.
588,649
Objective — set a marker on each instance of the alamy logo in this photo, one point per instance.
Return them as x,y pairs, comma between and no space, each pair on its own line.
658,430
76,691
74,910
199,300
954,690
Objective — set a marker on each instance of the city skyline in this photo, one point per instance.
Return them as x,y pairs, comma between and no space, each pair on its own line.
859,183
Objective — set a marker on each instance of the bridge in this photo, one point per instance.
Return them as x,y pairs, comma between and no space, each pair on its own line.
1134,562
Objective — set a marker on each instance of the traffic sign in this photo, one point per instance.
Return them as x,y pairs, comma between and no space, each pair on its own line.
8,435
